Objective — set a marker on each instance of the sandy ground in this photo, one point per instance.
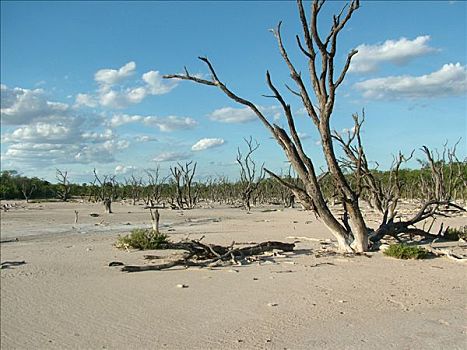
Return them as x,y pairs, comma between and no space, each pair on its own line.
65,296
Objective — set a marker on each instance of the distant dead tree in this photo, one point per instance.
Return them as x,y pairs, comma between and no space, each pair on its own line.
134,184
106,190
446,176
183,177
64,188
250,176
350,230
27,189
154,187
286,194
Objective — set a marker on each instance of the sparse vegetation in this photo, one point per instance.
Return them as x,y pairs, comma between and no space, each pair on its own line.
143,239
454,234
404,251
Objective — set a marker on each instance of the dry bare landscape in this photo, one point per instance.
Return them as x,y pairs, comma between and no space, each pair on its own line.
112,237
59,292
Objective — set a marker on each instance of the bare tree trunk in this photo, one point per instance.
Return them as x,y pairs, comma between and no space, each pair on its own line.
155,217
108,205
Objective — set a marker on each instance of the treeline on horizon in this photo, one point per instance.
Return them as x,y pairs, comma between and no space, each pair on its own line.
413,183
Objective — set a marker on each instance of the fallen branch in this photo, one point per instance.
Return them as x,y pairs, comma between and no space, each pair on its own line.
445,252
208,255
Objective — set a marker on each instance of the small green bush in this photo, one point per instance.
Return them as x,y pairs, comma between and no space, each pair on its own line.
454,234
143,239
404,251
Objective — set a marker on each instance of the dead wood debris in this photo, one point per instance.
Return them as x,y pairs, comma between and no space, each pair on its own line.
210,255
444,252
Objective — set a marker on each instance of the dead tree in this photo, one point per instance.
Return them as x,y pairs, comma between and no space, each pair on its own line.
319,51
446,174
286,194
183,176
384,197
64,187
250,178
154,188
135,185
27,188
106,190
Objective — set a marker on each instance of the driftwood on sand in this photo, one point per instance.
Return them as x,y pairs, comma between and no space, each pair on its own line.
209,255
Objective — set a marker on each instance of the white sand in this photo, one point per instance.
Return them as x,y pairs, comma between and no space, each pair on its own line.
66,297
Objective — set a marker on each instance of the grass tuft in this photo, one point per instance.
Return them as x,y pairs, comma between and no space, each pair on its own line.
404,251
142,239
454,234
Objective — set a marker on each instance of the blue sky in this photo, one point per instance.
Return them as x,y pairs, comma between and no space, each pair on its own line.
82,88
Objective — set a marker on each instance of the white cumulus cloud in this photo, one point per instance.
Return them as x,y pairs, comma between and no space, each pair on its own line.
146,138
37,132
165,124
171,123
171,156
206,143
122,119
22,106
232,115
395,51
155,83
111,94
113,76
85,100
243,115
123,169
450,80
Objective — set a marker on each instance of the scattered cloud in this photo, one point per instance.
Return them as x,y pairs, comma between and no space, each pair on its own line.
122,119
301,111
206,143
85,100
156,85
145,138
112,96
243,115
36,132
47,154
22,106
232,115
100,153
171,156
165,124
303,135
93,136
171,123
109,77
40,132
450,80
122,169
399,52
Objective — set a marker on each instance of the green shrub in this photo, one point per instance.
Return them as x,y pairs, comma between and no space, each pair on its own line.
454,234
404,251
143,239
